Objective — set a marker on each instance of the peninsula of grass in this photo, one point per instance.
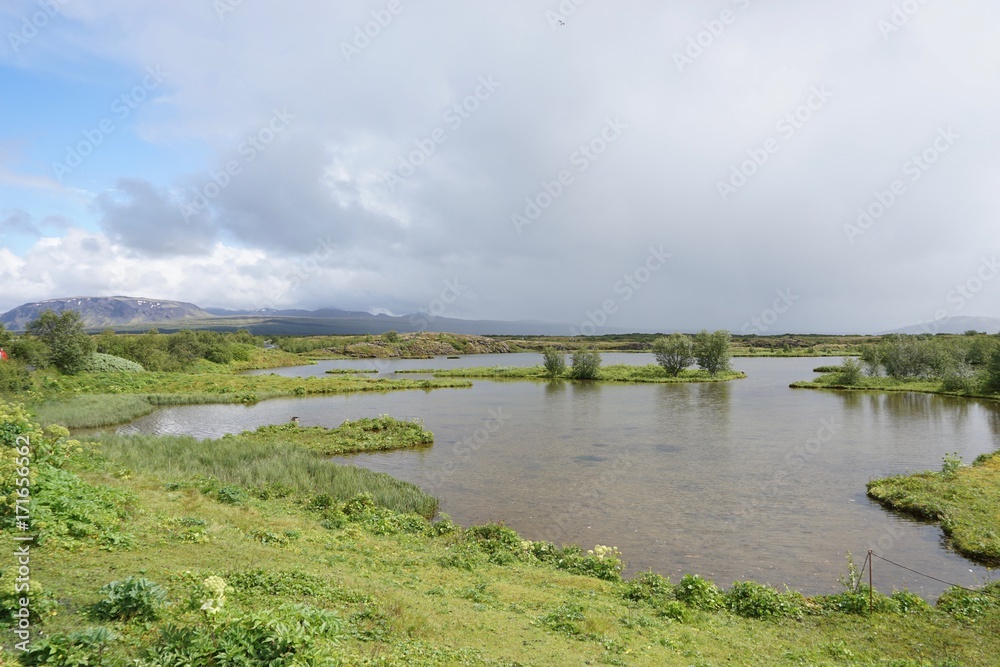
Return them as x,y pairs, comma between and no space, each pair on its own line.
91,400
837,381
965,501
351,371
368,434
651,373
166,551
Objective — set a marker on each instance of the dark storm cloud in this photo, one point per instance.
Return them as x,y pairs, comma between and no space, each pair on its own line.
770,148
148,219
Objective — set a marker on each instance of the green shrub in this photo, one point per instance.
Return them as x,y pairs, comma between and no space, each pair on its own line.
285,636
500,544
231,495
586,365
698,593
133,598
856,602
647,587
554,361
850,372
106,363
750,599
41,603
970,605
909,603
674,353
14,377
70,650
565,619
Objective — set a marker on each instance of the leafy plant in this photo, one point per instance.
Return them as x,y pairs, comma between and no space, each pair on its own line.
753,600
554,362
950,464
713,351
585,365
107,363
77,649
674,353
132,598
698,593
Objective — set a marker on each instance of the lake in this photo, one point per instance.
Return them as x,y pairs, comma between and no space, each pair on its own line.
741,480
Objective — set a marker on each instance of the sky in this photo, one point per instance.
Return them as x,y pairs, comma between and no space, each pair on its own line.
763,167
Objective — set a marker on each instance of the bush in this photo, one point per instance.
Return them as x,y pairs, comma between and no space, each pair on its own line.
554,362
647,587
284,636
850,372
713,350
752,600
79,648
133,598
585,365
42,603
674,353
69,345
698,593
107,363
14,377
501,544
391,336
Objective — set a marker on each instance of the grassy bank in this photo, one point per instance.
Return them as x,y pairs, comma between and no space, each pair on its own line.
965,501
615,373
311,578
836,380
91,400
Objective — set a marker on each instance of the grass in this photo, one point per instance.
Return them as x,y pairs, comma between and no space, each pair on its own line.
261,465
832,380
965,502
651,373
104,399
353,436
364,585
94,410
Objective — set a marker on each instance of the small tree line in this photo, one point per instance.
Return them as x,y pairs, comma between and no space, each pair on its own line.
60,341
675,353
969,363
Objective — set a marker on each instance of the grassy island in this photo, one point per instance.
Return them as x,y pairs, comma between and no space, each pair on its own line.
964,500
650,373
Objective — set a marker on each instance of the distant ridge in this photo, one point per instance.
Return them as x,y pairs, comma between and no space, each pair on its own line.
136,314
106,311
951,325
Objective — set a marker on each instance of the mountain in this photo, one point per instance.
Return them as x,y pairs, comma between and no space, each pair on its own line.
110,311
952,325
131,314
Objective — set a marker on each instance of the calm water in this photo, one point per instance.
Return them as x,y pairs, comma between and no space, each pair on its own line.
743,480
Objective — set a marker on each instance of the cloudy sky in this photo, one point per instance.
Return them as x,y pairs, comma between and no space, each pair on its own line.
758,166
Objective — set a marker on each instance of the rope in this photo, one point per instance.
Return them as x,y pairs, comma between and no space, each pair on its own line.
861,574
909,569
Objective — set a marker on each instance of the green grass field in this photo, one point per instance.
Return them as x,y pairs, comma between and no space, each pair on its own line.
324,564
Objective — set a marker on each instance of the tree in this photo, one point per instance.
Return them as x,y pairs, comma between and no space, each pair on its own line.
991,374
554,361
585,365
674,352
69,345
6,338
712,350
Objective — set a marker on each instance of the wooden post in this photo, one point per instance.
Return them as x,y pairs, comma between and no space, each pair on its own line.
871,591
